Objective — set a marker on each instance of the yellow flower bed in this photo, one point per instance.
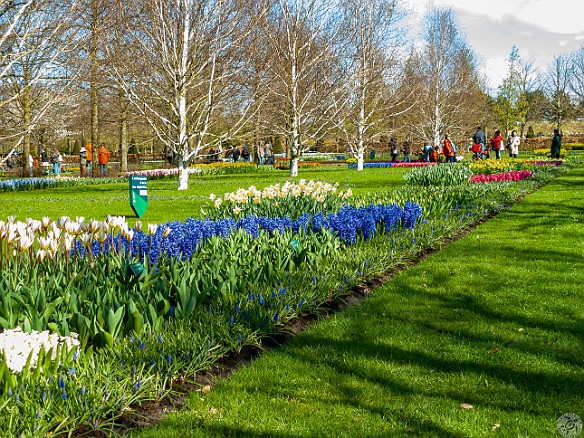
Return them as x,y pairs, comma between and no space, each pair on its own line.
488,167
547,153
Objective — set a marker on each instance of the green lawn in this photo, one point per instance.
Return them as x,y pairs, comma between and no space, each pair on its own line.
495,321
166,203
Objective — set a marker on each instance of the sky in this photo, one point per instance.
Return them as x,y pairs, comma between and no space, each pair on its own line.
540,29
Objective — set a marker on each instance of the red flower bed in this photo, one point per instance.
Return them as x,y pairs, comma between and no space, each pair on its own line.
516,175
413,164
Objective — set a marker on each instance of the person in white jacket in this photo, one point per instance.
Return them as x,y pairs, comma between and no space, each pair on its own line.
513,143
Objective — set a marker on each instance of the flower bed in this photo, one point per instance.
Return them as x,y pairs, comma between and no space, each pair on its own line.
517,175
386,164
294,199
163,173
284,163
26,184
545,163
166,301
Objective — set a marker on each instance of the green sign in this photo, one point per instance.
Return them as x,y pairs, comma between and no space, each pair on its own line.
138,194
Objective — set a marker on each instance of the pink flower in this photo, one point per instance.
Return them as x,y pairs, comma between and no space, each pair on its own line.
516,175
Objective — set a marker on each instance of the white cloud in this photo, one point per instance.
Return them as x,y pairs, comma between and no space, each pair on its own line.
497,70
540,29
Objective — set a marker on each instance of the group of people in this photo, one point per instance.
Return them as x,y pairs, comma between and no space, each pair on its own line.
49,165
86,160
264,154
497,144
406,150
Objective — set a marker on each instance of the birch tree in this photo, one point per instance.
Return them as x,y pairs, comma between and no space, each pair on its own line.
576,84
557,89
371,32
513,98
38,75
183,62
304,82
449,94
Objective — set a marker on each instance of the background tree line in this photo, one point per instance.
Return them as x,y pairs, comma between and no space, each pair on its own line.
184,75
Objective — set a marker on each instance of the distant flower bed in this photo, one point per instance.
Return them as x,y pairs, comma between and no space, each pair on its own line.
516,175
414,164
546,152
161,173
385,164
545,163
218,168
26,184
285,162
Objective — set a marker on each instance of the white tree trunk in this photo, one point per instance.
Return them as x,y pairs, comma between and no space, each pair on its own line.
360,158
294,166
183,176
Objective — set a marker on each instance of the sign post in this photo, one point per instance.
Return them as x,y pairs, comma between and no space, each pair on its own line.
138,194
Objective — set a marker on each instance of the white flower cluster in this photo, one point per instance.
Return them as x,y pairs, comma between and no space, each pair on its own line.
316,190
17,346
163,173
48,237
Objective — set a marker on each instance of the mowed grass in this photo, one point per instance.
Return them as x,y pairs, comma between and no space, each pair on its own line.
166,203
494,321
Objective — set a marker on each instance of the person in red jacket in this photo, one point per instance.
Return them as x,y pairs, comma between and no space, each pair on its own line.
497,143
103,158
448,149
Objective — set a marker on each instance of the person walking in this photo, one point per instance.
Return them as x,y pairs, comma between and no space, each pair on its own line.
556,144
496,143
427,152
103,158
245,154
407,150
55,162
82,161
261,152
393,149
480,138
513,143
89,159
448,149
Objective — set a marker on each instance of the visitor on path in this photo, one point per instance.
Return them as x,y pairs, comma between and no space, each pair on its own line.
427,152
497,143
55,162
170,154
89,159
235,154
448,149
268,154
407,150
245,154
480,138
45,161
261,151
393,149
513,143
434,154
103,158
556,144
82,161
